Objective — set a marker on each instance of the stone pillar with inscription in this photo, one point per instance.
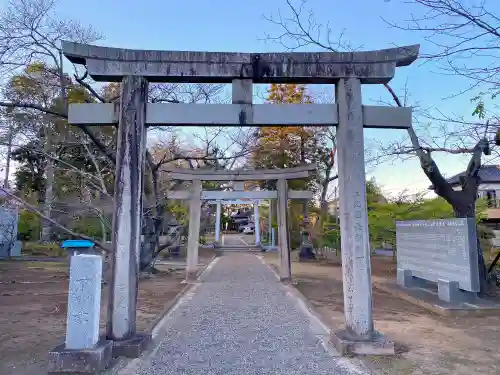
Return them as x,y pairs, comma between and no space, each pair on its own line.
359,336
84,351
193,231
126,236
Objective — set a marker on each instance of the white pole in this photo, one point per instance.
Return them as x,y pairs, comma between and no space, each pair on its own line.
269,221
257,221
217,222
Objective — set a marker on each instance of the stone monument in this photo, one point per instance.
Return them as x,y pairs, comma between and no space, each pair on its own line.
441,251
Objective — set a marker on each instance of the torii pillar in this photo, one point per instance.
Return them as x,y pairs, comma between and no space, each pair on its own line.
257,221
127,213
359,336
217,222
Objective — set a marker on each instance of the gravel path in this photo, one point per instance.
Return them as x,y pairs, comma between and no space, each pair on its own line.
240,321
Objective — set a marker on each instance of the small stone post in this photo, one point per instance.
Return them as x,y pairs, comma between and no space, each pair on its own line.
84,301
257,222
83,350
217,222
194,231
126,237
284,251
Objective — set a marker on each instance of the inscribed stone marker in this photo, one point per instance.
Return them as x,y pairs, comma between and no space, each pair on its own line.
439,249
84,301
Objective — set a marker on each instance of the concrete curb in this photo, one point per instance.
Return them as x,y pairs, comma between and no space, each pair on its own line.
119,364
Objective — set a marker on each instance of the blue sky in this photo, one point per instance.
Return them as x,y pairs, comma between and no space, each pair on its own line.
226,25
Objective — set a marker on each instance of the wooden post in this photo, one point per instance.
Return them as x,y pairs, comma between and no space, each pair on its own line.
194,231
282,212
121,324
355,250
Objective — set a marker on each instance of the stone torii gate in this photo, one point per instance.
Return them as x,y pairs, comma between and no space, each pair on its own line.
282,194
347,70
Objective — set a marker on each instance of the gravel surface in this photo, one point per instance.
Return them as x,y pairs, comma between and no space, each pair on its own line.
240,321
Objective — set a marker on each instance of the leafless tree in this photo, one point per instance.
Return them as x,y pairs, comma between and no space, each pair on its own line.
463,137
463,37
30,33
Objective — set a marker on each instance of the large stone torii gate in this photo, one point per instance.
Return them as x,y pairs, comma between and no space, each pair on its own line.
347,70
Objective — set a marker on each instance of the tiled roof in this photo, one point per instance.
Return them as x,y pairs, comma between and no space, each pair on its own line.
487,173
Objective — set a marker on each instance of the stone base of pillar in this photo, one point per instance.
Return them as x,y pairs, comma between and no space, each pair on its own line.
191,276
346,345
306,252
133,347
285,280
81,361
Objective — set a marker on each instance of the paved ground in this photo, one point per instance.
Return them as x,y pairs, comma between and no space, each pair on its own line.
238,239
240,320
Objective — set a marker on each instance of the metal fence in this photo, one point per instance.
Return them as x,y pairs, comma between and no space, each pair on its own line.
328,253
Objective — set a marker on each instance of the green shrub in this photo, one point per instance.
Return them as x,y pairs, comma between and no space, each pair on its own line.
29,226
89,226
43,249
330,235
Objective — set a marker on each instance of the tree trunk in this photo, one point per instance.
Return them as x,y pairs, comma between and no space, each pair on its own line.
148,245
152,225
464,207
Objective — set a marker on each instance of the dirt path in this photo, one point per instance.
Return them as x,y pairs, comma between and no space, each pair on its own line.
33,306
427,343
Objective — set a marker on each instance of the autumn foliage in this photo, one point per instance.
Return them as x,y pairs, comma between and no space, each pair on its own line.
284,146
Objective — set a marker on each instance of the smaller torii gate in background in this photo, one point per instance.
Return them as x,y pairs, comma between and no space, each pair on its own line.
282,194
346,70
246,201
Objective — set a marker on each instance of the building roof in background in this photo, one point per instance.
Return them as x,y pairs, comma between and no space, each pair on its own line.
487,173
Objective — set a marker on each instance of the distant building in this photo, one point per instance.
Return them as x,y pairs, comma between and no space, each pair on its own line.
489,188
239,219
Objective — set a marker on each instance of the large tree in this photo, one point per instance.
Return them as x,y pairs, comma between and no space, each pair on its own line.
286,146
